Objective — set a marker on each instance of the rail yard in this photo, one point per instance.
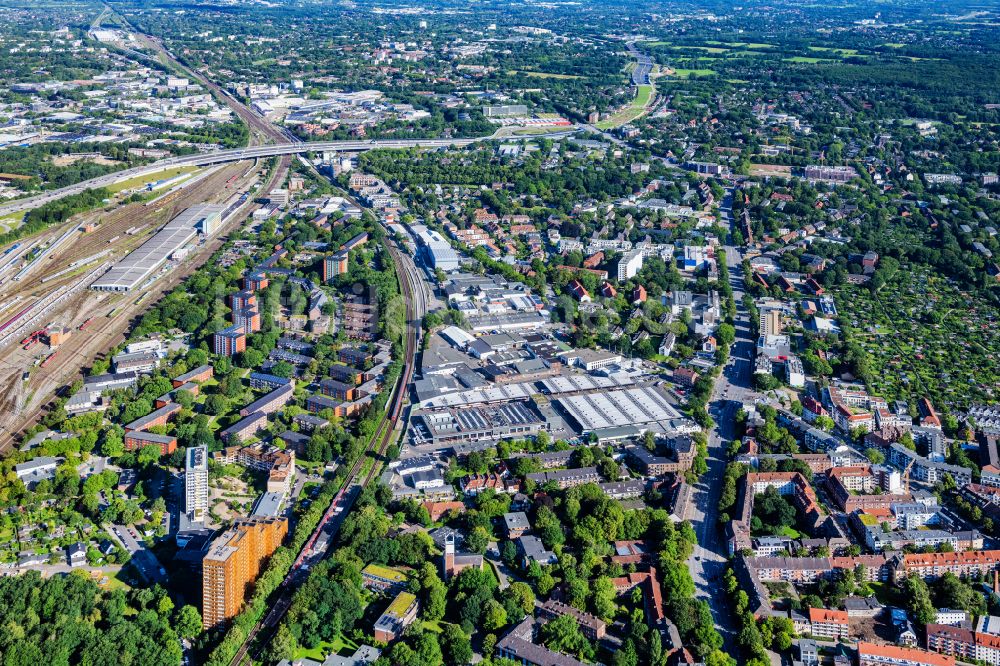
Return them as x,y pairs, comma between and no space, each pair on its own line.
52,290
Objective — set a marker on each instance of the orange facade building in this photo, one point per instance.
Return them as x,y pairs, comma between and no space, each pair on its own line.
233,562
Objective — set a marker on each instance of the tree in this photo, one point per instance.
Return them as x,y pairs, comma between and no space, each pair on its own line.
563,635
148,454
428,648
522,594
478,540
187,622
216,404
603,598
874,456
545,584
113,445
494,615
824,423
918,599
282,646
135,409
952,592
455,646
772,512
184,398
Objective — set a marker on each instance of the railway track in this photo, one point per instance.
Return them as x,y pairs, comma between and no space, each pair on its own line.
115,330
380,443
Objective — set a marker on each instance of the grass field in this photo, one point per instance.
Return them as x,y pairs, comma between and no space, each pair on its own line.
140,181
11,221
706,49
643,98
807,60
743,45
830,49
688,73
320,652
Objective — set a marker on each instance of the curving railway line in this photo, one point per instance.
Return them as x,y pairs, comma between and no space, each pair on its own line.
344,499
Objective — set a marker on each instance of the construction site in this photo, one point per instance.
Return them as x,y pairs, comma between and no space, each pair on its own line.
55,320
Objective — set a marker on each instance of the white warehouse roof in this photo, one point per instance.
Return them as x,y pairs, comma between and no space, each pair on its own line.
141,262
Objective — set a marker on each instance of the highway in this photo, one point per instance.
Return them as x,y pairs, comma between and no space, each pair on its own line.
231,155
643,66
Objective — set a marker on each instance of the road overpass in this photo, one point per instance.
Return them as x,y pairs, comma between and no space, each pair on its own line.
232,155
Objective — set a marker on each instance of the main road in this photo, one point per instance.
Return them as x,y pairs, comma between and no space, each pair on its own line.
732,389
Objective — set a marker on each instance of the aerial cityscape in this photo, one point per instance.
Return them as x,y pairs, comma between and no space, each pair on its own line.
437,332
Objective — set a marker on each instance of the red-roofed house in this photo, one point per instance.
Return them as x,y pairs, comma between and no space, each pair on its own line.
934,565
578,290
870,654
828,623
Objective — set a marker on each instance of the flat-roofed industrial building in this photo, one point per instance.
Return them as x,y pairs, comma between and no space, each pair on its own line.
639,406
139,264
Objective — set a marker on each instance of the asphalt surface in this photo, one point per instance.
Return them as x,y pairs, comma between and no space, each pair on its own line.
733,388
143,559
643,66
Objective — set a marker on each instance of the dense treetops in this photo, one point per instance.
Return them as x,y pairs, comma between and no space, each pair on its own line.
69,620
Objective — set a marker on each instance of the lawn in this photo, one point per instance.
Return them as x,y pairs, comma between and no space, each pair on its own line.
706,49
743,45
830,49
642,97
140,181
433,626
808,60
12,221
639,105
688,73
320,652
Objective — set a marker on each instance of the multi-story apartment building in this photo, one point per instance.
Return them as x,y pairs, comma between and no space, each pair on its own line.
196,482
566,478
200,374
955,641
398,616
278,463
271,402
870,654
592,627
229,341
828,623
334,265
243,300
248,320
245,428
156,418
139,439
233,562
933,565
